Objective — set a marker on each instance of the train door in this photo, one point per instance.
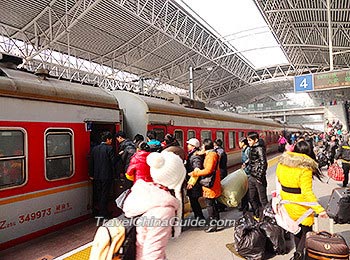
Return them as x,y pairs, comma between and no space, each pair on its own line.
96,130
161,131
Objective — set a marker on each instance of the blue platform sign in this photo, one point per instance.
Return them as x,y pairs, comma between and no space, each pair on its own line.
303,83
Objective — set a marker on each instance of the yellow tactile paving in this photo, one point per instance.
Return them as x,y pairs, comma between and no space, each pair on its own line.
81,255
273,161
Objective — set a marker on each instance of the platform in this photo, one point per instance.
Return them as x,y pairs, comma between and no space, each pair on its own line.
193,243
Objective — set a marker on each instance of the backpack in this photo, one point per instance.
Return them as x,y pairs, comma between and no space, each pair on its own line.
113,241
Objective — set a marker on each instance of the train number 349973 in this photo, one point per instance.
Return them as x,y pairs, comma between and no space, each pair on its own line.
34,215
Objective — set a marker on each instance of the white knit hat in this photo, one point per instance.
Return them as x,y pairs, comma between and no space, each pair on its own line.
194,141
168,170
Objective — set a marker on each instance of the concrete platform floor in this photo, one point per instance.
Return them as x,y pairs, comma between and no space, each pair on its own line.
195,244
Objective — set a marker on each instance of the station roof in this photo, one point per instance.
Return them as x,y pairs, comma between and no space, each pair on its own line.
302,29
158,40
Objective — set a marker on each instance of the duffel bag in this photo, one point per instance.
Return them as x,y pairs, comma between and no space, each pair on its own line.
324,245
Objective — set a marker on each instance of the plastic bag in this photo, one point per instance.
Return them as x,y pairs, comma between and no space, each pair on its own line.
234,186
273,232
249,241
336,172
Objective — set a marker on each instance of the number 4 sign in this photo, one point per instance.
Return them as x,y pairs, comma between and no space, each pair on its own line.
303,83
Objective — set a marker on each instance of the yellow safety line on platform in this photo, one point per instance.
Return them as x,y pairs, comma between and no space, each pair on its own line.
273,161
80,253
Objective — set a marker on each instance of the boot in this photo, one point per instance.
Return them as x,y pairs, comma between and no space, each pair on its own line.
297,256
210,229
212,226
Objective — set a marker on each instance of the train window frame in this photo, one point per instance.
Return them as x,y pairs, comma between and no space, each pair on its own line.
222,138
203,131
25,157
188,134
182,134
241,134
233,141
59,130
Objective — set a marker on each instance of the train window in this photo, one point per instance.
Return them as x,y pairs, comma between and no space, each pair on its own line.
12,158
240,135
191,134
205,134
269,137
231,140
179,136
160,133
59,153
220,135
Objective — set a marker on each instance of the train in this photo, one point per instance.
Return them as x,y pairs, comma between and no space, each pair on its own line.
48,127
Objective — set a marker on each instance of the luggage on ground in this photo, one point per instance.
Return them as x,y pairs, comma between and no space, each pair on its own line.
336,172
248,240
115,240
325,245
274,233
234,186
338,206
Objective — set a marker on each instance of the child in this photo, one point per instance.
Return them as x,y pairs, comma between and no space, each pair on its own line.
138,168
153,201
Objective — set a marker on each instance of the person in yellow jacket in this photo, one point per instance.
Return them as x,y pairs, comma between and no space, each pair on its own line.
295,172
210,165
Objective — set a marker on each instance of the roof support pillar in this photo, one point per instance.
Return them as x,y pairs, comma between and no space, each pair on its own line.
330,45
191,83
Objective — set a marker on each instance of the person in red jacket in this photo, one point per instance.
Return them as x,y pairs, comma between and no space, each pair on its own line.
138,167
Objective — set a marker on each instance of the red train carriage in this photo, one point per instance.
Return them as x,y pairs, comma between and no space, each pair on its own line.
46,129
48,126
187,118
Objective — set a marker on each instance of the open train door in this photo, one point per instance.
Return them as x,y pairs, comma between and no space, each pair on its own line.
97,128
161,131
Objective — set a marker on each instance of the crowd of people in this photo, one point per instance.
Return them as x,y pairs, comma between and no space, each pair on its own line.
161,174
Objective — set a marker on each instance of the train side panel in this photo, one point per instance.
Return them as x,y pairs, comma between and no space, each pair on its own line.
148,113
43,202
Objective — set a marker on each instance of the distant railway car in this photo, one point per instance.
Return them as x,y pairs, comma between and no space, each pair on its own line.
187,118
46,129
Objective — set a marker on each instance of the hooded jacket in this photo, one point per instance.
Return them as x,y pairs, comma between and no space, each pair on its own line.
138,167
294,170
151,202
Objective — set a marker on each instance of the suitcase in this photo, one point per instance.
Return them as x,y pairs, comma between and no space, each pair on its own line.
338,206
325,245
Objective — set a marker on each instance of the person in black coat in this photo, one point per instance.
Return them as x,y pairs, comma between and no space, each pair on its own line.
343,154
125,152
102,170
194,160
257,179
